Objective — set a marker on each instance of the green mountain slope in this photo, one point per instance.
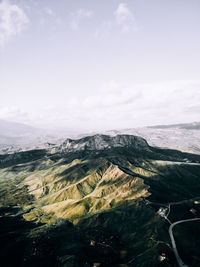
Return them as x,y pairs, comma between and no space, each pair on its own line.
84,202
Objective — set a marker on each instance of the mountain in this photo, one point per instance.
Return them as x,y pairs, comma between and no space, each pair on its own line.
98,201
100,142
15,137
14,134
184,137
187,126
13,129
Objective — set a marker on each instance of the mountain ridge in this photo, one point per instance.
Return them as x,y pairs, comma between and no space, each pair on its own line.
102,141
87,201
187,126
185,137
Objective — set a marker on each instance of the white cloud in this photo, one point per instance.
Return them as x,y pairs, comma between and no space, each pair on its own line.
48,11
110,96
104,30
125,18
13,113
116,106
77,16
50,17
12,21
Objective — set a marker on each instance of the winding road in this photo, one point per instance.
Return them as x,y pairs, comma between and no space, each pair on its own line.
179,261
168,205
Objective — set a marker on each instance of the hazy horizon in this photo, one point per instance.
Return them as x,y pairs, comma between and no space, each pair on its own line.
77,131
99,65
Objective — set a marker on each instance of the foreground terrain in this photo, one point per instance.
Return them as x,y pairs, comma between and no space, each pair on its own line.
99,201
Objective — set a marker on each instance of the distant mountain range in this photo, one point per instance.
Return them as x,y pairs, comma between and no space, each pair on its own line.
184,137
13,129
20,137
187,126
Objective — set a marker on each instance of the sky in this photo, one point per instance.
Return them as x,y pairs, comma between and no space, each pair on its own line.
99,65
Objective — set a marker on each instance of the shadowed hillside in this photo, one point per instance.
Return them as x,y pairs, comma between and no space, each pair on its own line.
84,202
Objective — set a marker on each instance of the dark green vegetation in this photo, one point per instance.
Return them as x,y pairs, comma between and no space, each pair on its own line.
189,246
87,204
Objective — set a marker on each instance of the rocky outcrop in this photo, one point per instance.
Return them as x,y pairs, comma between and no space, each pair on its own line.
100,142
